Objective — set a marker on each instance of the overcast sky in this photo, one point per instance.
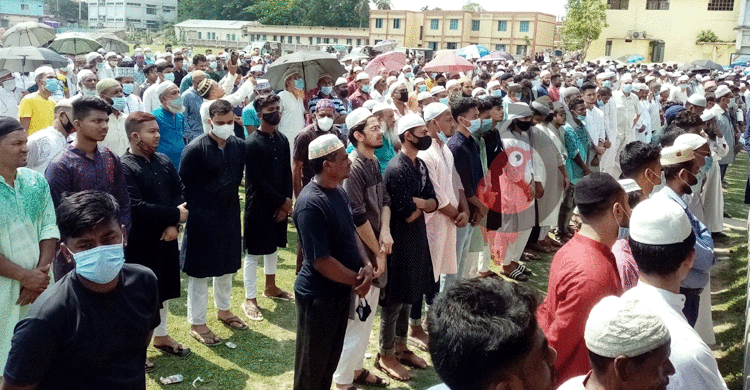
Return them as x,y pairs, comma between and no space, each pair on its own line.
554,7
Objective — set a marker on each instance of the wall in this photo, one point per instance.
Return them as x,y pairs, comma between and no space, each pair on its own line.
131,13
22,7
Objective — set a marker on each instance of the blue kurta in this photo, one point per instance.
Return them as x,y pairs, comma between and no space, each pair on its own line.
172,129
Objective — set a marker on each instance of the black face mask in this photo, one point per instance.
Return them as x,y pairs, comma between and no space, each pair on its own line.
441,83
68,126
403,97
272,118
363,311
423,143
523,125
343,92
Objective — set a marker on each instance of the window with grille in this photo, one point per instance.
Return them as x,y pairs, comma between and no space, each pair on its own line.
450,45
618,4
657,4
379,23
721,5
454,24
521,50
502,25
434,24
524,26
474,25
396,23
500,47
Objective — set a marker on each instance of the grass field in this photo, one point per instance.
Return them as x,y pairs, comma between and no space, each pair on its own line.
264,357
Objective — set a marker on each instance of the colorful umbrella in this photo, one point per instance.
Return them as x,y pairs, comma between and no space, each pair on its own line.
310,64
448,62
28,34
473,51
74,43
392,60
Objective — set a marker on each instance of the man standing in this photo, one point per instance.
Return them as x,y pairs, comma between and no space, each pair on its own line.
724,126
111,91
36,110
192,100
574,285
158,210
28,231
333,266
91,329
627,112
325,85
362,94
268,204
200,63
641,162
45,144
211,171
577,145
171,122
10,94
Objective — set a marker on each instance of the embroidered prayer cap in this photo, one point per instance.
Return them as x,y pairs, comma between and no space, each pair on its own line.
596,187
629,185
540,107
321,77
43,70
697,99
261,84
477,91
433,110
409,121
325,104
423,95
124,71
83,73
204,86
256,68
721,91
676,154
357,117
659,221
694,141
9,125
518,110
324,145
105,84
437,89
621,327
569,91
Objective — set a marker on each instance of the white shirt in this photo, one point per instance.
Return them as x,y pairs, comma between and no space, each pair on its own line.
292,117
151,98
694,363
44,145
575,383
134,103
116,139
9,101
247,88
596,125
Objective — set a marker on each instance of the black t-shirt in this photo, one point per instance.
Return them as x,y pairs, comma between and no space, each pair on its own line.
326,228
73,338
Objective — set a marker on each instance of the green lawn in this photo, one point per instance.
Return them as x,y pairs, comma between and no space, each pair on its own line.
264,357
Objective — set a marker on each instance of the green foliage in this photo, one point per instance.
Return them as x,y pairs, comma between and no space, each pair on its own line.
383,4
472,6
706,36
219,10
583,24
330,13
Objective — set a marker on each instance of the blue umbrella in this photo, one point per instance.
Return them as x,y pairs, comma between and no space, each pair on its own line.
473,51
634,59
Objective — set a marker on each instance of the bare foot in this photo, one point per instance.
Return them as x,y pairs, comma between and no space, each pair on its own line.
418,337
391,367
408,358
229,319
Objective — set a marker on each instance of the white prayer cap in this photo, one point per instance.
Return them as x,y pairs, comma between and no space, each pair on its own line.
395,85
418,80
569,91
699,77
357,117
357,69
381,107
369,104
664,88
639,87
708,115
211,57
620,327
683,78
518,110
423,95
478,91
92,56
406,67
693,141
376,79
362,76
43,70
163,87
544,73
261,84
256,68
650,78
451,83
697,99
408,121
324,145
605,75
721,91
662,72
626,77
83,73
629,185
676,154
110,54
492,84
541,107
659,221
433,110
341,80
437,89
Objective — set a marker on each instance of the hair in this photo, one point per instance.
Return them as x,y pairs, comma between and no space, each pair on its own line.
263,101
710,97
586,86
481,329
605,91
635,156
462,106
484,104
686,119
178,59
600,363
662,260
148,68
575,101
360,127
317,163
671,171
593,210
670,134
634,197
199,58
496,101
82,211
160,68
135,120
219,107
504,77
83,106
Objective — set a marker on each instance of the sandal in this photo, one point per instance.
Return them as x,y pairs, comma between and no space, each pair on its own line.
252,312
361,379
149,368
388,372
517,275
524,270
179,351
405,359
283,296
233,322
201,338
531,256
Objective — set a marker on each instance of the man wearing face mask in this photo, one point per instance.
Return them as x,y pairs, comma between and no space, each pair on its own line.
400,96
325,85
680,168
150,95
302,171
362,93
724,126
109,66
86,83
124,75
171,122
36,110
211,170
627,112
268,204
114,306
10,94
641,162
111,91
45,144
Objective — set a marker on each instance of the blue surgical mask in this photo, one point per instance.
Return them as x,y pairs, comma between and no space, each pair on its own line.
475,125
579,82
607,83
627,88
176,102
169,77
444,100
100,65
497,92
422,88
212,64
366,88
128,88
600,103
409,75
485,126
623,233
326,90
299,84
52,85
89,92
100,265
581,118
442,137
119,103
518,95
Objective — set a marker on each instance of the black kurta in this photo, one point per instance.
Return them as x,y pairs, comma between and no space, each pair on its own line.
212,177
268,184
410,265
155,191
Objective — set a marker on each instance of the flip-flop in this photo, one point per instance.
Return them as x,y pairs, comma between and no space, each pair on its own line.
283,296
361,379
252,312
407,361
524,270
231,321
388,372
181,351
150,368
517,275
201,338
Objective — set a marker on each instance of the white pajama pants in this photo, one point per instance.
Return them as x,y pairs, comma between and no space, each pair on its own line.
161,330
251,271
356,341
197,297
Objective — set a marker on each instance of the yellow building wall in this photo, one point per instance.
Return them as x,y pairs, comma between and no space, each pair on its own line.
678,27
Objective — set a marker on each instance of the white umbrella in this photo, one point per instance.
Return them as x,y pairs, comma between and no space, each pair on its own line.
111,42
74,44
28,58
309,64
28,34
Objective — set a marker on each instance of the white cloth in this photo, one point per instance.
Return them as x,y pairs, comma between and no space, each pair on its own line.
595,124
117,139
134,103
575,383
713,197
292,117
627,110
644,121
9,101
251,271
355,341
678,95
106,72
694,363
609,162
197,297
377,96
161,329
244,91
43,146
654,109
151,97
441,231
705,323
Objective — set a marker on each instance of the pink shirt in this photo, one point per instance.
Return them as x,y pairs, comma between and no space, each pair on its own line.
626,265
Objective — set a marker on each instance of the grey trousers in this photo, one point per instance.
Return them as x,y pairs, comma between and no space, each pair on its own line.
394,325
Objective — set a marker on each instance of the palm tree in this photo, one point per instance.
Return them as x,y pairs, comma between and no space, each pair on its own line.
383,4
363,9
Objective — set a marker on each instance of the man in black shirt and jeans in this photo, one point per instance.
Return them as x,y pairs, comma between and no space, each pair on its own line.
89,330
334,266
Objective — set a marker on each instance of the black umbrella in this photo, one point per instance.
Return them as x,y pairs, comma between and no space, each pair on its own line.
708,64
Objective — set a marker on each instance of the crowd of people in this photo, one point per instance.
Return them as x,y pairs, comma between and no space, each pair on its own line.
122,171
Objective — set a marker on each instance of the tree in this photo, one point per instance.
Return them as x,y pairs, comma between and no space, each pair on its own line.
67,10
383,4
583,24
363,10
473,7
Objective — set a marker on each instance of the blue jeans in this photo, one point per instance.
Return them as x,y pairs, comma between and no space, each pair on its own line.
692,303
463,240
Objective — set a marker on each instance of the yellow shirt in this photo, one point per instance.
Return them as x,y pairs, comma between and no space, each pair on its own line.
40,110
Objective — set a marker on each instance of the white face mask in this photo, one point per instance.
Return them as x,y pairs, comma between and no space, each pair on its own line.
325,123
223,131
9,85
